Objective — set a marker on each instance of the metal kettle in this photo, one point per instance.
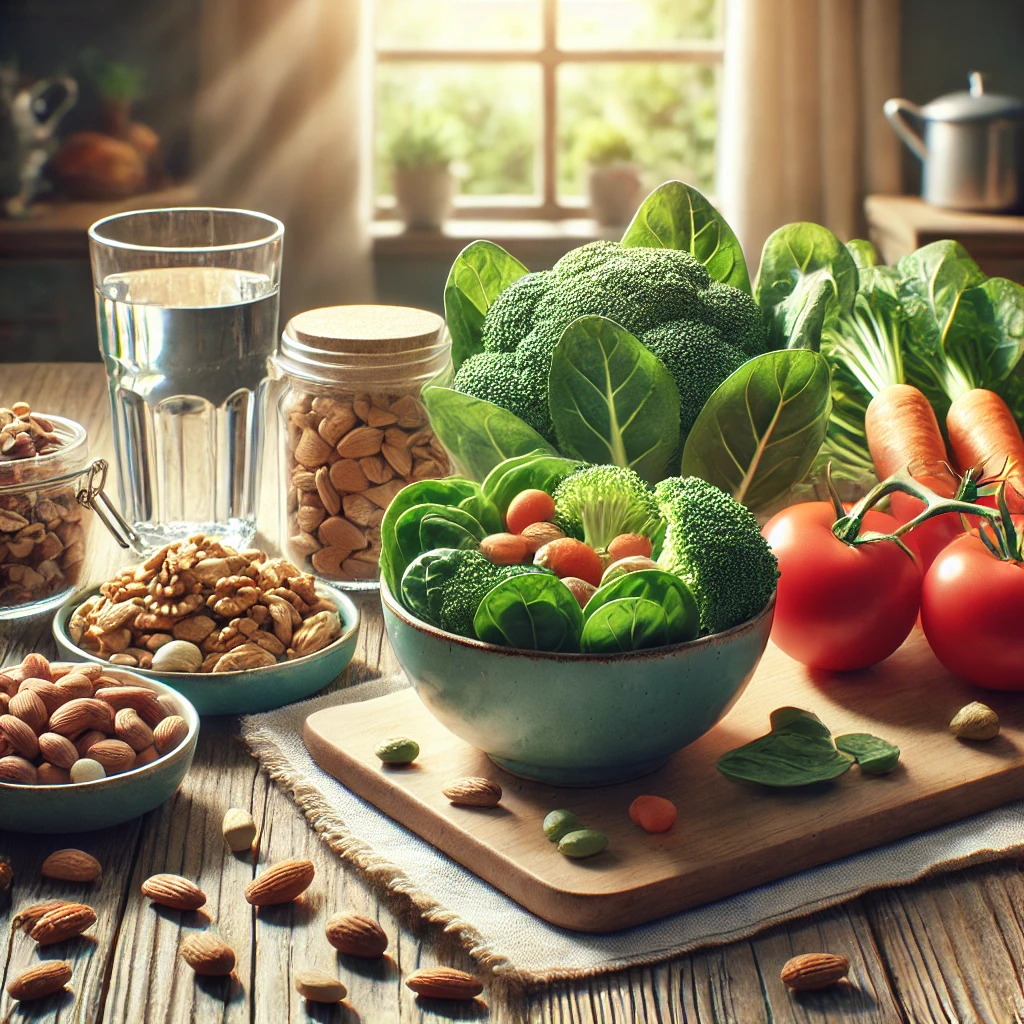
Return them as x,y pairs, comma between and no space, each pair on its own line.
972,148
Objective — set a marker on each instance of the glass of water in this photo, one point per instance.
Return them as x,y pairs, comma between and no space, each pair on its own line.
187,307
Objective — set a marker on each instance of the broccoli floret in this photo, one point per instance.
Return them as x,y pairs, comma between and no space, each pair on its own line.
597,503
714,544
645,290
498,377
444,587
698,359
510,318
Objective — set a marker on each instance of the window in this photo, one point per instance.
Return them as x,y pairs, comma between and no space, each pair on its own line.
515,88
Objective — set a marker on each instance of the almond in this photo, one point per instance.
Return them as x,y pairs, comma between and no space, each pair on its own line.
138,698
132,730
281,883
20,736
75,684
26,919
813,971
326,491
18,769
207,955
169,733
35,665
474,792
58,750
347,476
337,532
359,443
147,756
71,866
174,891
28,706
87,739
377,470
169,704
50,775
356,935
63,922
444,983
398,457
115,756
8,685
81,715
52,695
319,987
40,980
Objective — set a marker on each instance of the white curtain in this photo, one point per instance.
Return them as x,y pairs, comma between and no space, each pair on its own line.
282,126
802,132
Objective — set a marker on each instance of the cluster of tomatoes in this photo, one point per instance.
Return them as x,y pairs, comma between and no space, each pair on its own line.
843,606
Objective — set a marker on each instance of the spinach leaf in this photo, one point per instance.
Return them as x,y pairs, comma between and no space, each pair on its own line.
478,434
536,470
664,589
534,612
760,430
450,491
629,624
864,253
807,277
873,754
612,401
797,752
677,216
483,510
421,580
480,273
429,526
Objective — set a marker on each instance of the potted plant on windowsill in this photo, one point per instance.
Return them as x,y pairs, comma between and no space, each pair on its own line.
420,153
613,178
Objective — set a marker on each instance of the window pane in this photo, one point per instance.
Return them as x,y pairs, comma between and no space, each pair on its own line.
667,114
458,24
600,24
488,114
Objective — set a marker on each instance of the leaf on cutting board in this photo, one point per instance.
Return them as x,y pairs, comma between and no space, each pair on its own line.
873,754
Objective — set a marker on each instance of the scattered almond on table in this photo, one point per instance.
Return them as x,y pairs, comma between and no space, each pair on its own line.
444,983
813,971
319,987
281,883
40,981
357,935
71,866
173,891
63,922
473,792
207,955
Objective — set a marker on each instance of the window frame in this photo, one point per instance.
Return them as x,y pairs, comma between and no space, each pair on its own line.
547,204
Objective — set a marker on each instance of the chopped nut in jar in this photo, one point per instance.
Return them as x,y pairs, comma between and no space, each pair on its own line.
203,606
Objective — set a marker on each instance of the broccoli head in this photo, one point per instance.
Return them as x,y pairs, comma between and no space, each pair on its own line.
714,544
444,587
701,329
597,503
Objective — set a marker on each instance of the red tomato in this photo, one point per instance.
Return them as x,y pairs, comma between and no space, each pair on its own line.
972,607
840,606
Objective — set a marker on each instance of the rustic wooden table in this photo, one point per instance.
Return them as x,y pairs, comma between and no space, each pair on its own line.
948,950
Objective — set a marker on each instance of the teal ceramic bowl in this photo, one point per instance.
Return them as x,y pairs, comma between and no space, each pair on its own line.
249,690
84,806
576,719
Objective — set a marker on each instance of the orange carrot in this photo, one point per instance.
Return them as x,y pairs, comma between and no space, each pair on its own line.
902,432
983,432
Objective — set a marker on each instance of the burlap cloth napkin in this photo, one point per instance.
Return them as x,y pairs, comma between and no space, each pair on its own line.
514,943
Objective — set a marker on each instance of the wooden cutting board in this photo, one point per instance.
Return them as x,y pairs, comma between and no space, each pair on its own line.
730,836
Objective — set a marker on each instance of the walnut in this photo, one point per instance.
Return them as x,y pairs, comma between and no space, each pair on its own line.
268,642
116,616
278,572
210,571
153,622
315,634
246,656
232,596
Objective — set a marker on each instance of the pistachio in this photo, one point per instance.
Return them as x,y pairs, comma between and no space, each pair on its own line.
397,750
975,721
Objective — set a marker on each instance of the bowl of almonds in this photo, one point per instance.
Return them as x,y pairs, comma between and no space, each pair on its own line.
233,631
84,747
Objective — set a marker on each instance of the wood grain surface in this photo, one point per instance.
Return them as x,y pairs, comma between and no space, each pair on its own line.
946,951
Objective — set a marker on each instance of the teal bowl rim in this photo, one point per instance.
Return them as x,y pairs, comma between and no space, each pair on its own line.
345,604
388,599
181,751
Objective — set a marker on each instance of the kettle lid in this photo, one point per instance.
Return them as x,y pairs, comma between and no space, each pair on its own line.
973,105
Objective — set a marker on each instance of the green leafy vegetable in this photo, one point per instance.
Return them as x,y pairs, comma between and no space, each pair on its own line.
664,589
536,470
534,613
428,526
806,277
797,752
478,434
874,755
677,216
613,401
480,273
629,624
863,252
760,430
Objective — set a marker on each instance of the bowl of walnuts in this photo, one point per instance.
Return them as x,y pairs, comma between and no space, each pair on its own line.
233,631
84,747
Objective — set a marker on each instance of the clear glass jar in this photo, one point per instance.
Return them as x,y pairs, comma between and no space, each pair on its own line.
353,431
43,526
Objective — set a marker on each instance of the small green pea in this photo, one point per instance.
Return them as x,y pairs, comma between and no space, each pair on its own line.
397,750
558,822
584,842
